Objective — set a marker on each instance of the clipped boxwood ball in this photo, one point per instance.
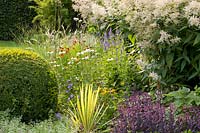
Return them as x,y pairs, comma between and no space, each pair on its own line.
28,86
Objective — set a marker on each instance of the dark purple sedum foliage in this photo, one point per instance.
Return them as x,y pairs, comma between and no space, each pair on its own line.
140,114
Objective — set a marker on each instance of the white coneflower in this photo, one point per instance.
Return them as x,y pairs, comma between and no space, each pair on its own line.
89,50
78,53
74,59
85,51
62,52
53,62
56,65
85,58
69,63
110,59
50,52
82,53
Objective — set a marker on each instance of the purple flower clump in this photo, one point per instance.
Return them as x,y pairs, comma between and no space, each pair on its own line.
110,39
69,87
140,114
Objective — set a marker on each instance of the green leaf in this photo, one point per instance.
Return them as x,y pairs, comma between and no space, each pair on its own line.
193,75
164,72
198,102
180,58
190,37
178,103
187,59
180,93
169,59
185,55
197,57
191,97
183,64
132,38
197,39
183,28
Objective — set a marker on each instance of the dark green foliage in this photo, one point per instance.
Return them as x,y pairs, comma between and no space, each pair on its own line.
28,86
177,64
54,13
13,15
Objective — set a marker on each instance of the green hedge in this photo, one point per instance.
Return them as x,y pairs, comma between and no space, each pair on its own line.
13,15
28,86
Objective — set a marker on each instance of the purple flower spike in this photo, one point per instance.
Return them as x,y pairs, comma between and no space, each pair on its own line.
58,116
71,96
106,45
106,37
110,34
70,86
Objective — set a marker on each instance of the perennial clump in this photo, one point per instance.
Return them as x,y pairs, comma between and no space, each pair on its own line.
169,38
140,114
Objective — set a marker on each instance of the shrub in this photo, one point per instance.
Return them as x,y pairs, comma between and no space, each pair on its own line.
13,15
27,84
101,15
54,13
139,113
169,39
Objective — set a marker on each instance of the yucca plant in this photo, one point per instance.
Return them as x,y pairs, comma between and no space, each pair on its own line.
87,113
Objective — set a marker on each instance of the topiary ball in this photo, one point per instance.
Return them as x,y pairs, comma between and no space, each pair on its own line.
28,86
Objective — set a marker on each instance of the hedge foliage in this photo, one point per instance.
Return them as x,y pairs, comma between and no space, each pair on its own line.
13,15
28,86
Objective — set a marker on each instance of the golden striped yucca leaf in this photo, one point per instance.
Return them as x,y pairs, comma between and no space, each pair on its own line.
87,113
